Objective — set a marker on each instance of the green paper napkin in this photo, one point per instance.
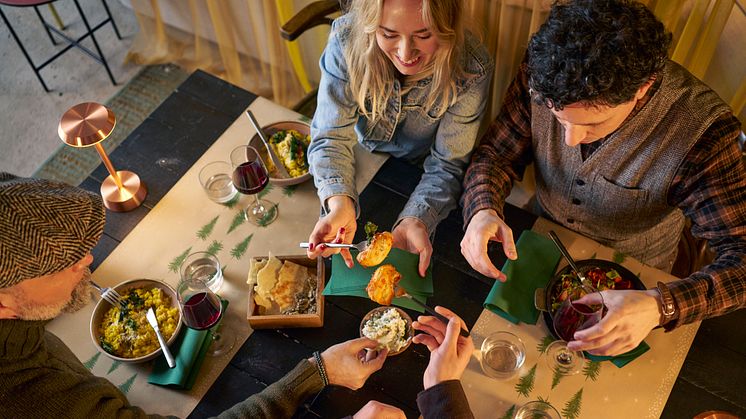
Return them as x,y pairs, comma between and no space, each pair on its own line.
189,352
352,282
536,263
623,359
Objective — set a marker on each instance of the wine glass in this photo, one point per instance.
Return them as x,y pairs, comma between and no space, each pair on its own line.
202,309
583,308
250,177
536,410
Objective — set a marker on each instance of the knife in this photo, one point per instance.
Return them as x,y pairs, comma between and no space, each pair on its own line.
154,324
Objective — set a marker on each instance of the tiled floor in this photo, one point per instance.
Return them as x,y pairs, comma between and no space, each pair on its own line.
28,115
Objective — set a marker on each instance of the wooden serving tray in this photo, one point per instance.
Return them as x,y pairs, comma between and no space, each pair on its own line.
273,321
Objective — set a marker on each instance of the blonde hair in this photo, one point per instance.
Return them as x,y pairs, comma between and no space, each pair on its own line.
372,73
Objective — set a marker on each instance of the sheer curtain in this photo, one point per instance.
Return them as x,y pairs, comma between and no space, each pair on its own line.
239,41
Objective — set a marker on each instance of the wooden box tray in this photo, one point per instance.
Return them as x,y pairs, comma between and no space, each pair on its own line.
272,321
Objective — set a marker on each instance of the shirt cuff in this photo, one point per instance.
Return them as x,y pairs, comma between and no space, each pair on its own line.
336,187
444,400
420,212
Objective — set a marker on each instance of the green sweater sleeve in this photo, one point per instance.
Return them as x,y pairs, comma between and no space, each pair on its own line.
282,398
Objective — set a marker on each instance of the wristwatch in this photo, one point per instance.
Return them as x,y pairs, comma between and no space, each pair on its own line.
668,307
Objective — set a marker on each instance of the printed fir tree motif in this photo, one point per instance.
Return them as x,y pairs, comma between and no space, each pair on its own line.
559,373
526,383
240,249
591,370
206,229
92,362
544,344
214,248
114,366
572,407
238,219
305,119
289,190
619,257
175,264
509,413
267,189
593,256
232,203
268,216
127,385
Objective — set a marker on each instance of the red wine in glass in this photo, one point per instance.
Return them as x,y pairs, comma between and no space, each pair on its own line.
250,177
575,316
202,310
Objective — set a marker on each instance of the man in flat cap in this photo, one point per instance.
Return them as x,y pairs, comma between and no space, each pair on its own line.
47,230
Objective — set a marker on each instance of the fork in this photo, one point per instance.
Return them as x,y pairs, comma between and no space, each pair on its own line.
401,292
358,246
109,294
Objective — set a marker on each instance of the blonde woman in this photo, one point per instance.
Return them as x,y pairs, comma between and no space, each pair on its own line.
402,77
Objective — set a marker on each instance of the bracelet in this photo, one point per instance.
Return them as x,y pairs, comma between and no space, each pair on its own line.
320,367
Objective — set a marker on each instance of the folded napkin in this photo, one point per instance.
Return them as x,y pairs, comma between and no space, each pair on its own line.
189,352
623,359
536,263
352,282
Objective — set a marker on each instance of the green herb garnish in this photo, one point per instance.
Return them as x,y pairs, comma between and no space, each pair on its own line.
131,323
105,346
123,312
370,230
277,137
135,299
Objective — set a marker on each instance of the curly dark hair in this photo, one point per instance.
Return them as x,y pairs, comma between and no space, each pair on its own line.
598,52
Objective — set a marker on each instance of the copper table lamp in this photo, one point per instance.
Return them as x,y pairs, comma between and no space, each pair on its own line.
87,124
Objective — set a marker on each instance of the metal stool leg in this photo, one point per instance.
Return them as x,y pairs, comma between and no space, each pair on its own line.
44,23
113,24
95,43
56,16
23,50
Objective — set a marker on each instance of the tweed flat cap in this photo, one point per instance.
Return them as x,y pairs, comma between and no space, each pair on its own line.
45,227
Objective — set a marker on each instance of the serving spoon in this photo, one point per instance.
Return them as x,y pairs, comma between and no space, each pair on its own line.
570,260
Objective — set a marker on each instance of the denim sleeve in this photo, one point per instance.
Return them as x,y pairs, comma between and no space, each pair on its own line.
330,155
440,186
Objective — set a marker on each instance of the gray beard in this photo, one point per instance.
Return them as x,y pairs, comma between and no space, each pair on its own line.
79,298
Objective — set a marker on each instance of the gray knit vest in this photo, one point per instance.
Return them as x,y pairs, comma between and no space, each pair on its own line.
618,196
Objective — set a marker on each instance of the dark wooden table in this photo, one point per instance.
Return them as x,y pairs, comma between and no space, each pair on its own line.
166,145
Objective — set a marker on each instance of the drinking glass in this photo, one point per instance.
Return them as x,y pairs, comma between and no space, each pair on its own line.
201,309
575,313
250,177
536,410
205,267
503,354
215,178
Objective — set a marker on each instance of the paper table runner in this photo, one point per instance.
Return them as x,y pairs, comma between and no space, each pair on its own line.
186,221
639,390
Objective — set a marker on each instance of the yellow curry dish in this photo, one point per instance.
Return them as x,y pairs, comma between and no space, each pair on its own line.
291,147
126,333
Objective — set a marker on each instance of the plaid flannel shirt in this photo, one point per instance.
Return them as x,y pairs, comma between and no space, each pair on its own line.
709,187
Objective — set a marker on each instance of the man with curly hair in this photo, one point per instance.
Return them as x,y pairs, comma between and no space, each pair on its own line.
625,144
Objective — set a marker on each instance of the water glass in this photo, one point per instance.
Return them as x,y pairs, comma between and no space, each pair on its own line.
536,410
215,178
503,354
205,267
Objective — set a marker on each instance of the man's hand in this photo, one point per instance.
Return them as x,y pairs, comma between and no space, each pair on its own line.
348,364
378,410
486,226
631,316
449,352
411,235
338,226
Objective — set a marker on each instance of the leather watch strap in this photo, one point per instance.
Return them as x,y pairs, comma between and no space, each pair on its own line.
668,306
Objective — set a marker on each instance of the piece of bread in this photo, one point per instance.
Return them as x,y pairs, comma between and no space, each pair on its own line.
382,285
290,282
377,250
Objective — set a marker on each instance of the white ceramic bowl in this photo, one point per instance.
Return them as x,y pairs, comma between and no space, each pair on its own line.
103,306
270,129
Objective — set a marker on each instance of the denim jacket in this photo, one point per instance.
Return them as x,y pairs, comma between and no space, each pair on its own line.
405,130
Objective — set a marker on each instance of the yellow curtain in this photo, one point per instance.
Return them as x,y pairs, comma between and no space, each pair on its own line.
239,41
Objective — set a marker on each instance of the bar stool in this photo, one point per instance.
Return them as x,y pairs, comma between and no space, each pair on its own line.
98,55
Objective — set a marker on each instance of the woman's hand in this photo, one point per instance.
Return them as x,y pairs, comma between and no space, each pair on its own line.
338,226
486,226
412,236
449,351
349,364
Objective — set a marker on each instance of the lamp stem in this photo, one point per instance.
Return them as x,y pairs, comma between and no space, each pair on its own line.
108,165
